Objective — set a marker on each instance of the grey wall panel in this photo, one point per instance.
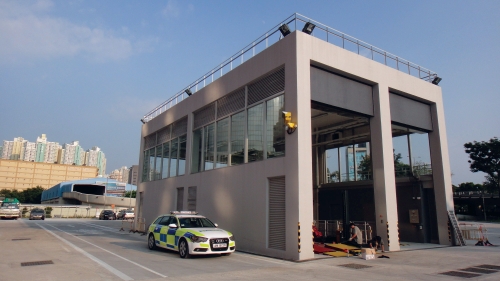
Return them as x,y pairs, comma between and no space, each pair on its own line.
341,92
410,112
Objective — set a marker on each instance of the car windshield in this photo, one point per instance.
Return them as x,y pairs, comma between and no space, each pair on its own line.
195,222
37,211
10,205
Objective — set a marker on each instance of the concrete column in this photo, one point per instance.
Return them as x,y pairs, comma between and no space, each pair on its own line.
299,176
384,184
441,171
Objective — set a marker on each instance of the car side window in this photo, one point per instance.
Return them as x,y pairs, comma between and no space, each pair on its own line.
157,220
165,220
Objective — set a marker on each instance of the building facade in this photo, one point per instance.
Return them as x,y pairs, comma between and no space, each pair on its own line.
21,175
226,151
133,175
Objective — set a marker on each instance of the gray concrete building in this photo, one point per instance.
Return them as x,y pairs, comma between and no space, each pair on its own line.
370,145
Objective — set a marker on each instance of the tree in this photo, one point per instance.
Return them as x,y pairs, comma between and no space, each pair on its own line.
127,194
485,157
31,195
400,169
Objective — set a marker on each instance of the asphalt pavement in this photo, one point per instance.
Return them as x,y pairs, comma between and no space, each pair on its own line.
89,249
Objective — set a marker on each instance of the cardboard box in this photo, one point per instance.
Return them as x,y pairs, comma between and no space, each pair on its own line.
368,251
366,256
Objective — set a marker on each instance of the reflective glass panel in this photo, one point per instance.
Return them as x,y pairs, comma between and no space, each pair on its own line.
158,162
165,160
209,146
222,142
275,128
238,138
182,155
255,133
196,151
173,157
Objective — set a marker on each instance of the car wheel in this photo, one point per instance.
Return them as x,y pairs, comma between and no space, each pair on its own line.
184,249
43,218
151,242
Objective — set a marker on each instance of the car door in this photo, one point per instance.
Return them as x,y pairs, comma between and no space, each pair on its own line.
171,238
156,230
162,234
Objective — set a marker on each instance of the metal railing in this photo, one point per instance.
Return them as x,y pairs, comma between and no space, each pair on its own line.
330,228
295,21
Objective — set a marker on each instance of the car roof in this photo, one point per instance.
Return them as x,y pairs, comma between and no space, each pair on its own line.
183,216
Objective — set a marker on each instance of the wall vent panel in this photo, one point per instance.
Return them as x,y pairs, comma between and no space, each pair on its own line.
271,84
277,214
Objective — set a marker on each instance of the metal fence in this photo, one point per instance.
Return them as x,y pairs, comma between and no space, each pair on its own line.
330,228
294,22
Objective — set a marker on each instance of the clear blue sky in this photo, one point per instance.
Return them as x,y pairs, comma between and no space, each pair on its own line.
89,70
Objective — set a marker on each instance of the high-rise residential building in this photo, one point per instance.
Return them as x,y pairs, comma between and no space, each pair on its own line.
73,154
52,152
133,174
96,158
29,151
120,174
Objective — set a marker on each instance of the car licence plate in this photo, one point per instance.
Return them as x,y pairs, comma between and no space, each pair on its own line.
220,245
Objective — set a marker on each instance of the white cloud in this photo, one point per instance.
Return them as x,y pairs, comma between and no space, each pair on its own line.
28,32
172,10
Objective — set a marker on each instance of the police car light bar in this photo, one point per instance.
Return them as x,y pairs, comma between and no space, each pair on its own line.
183,212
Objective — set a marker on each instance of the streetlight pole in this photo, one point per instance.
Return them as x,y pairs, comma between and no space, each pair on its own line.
105,190
484,206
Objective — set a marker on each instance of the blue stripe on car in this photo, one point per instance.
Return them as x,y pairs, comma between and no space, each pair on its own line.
163,237
171,231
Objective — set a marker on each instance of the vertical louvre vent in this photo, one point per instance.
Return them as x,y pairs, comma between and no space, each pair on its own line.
192,198
277,218
266,87
164,135
179,127
204,116
150,141
231,103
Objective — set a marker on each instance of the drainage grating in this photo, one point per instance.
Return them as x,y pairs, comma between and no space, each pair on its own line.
355,265
460,274
19,239
489,266
36,263
478,270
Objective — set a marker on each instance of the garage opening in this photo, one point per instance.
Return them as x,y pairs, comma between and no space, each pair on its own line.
89,189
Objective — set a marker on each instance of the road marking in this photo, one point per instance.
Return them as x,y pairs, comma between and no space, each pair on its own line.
66,249
70,225
100,262
110,229
139,265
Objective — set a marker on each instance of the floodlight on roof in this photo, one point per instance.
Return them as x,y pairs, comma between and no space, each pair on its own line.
308,28
284,29
436,80
143,122
188,92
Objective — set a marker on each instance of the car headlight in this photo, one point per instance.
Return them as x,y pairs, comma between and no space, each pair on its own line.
198,239
231,237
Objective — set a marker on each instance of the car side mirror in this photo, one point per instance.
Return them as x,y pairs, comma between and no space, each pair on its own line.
172,225
216,225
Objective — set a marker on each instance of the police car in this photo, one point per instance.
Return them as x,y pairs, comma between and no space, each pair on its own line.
189,234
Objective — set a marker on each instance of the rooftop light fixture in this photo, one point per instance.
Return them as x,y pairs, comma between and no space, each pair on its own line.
436,80
284,29
308,28
188,92
143,122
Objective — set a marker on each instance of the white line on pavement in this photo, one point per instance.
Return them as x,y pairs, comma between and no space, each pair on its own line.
139,265
66,249
100,262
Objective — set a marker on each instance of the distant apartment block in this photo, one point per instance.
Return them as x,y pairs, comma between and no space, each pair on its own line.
120,175
133,175
21,175
43,151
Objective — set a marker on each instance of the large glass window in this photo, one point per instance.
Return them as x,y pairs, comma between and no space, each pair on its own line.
151,163
165,160
209,147
222,142
158,161
275,128
255,133
196,151
173,157
145,166
238,138
182,155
